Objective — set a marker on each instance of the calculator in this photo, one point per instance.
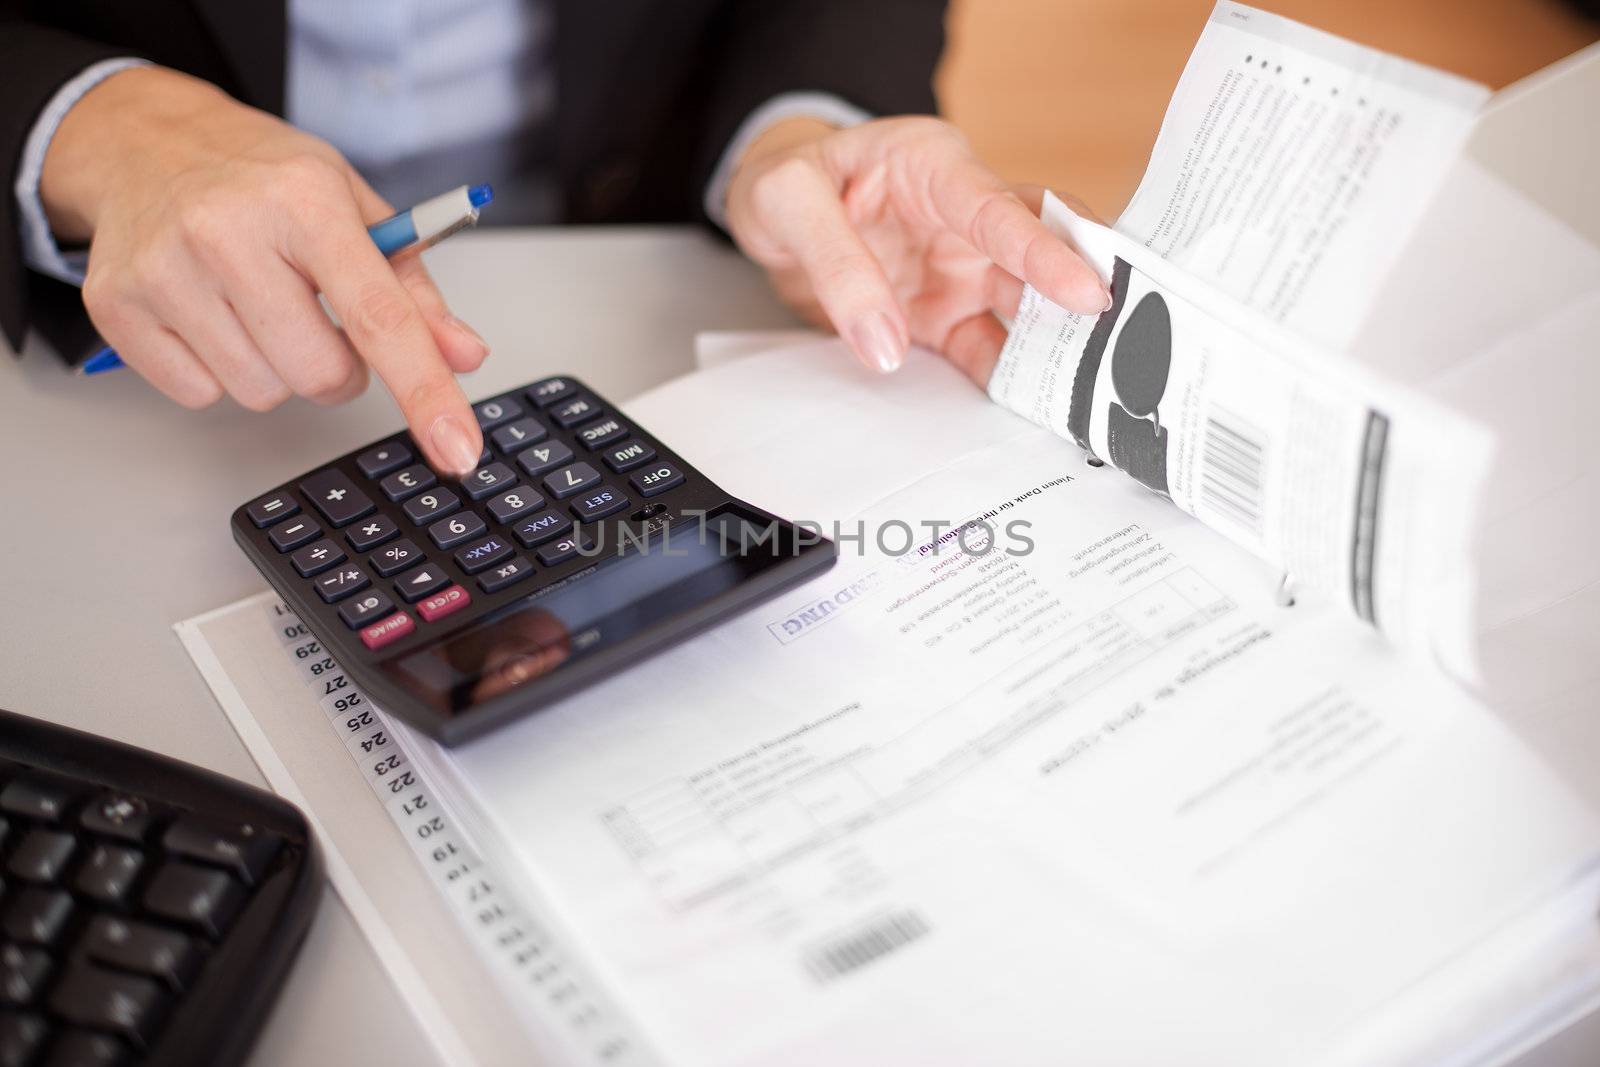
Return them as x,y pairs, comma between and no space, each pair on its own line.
579,546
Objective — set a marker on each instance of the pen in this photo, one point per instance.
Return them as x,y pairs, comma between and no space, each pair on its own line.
419,227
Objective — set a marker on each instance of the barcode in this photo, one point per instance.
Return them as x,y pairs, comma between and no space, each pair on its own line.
1231,471
874,940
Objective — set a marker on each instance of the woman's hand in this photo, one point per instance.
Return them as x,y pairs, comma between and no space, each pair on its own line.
892,232
213,227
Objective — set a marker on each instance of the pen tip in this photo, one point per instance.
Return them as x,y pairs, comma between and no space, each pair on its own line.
480,194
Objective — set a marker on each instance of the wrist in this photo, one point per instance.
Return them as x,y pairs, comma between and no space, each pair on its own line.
118,131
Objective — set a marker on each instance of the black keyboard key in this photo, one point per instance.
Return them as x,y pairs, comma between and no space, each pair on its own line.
382,459
37,797
368,607
550,391
5,828
483,552
657,479
109,873
336,497
243,849
22,974
416,584
21,1037
508,573
598,435
36,916
598,504
488,480
519,434
570,481
541,528
559,551
513,503
201,897
628,456
577,410
455,529
434,504
269,509
85,1048
117,815
401,484
316,557
41,855
371,532
492,413
540,458
98,999
293,534
342,582
156,951
392,559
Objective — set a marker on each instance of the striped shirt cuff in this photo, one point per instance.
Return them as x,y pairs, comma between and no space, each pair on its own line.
39,248
823,106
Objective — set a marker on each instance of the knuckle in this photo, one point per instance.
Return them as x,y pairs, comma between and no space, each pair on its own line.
775,187
199,391
381,311
307,171
206,222
263,398
325,377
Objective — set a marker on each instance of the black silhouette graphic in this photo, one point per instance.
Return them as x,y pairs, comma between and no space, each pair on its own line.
1139,367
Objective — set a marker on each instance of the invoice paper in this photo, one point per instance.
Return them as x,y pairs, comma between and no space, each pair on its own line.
1041,765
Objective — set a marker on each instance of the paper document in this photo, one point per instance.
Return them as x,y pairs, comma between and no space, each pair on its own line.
978,795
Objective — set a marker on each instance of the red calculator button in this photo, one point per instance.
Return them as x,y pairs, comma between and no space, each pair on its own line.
388,631
443,603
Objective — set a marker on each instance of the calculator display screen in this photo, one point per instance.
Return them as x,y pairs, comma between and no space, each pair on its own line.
622,596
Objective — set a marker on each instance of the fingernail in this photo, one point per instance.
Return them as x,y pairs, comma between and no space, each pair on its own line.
876,338
453,444
1108,302
468,331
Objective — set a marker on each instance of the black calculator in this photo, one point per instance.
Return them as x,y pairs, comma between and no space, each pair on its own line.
580,545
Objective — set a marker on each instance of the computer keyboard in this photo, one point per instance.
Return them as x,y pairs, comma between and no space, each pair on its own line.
149,910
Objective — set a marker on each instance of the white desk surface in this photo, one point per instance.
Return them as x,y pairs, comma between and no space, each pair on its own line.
117,505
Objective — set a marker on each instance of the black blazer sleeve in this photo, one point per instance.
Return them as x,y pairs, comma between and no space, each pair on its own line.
879,55
36,61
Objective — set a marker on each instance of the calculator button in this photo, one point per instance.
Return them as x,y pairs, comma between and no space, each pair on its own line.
570,481
657,479
557,551
22,975
118,815
598,435
518,500
395,558
364,608
508,573
97,999
108,873
541,528
40,798
486,480
388,631
434,504
269,509
450,532
336,496
35,916
413,585
492,413
401,484
483,552
626,457
436,607
548,456
598,504
142,948
341,583
380,460
293,534
579,409
371,532
317,557
551,390
201,897
40,856
519,434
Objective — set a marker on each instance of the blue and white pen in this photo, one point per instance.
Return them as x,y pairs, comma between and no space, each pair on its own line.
422,226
